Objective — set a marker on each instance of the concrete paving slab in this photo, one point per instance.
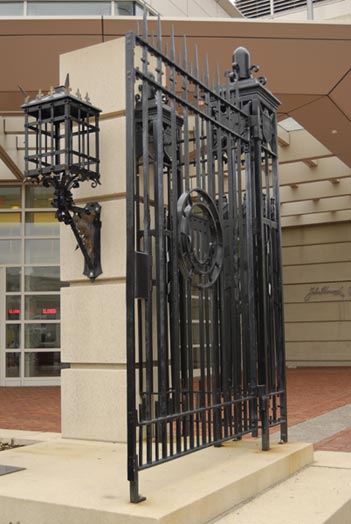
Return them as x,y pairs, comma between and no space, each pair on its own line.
323,426
24,438
319,494
67,481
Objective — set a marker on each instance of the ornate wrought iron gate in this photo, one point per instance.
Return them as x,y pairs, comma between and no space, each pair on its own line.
205,336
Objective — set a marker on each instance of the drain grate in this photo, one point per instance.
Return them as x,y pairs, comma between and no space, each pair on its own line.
5,470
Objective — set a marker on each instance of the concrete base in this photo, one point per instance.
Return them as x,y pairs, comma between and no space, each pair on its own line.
319,494
69,481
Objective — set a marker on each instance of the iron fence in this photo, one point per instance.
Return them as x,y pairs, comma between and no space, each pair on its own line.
205,337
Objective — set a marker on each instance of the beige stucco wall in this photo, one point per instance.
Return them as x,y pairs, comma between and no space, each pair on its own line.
317,294
93,314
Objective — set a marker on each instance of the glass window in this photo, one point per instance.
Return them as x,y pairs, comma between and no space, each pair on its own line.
42,307
42,279
42,335
10,198
124,8
13,307
42,364
13,333
10,251
10,224
39,196
13,279
13,365
68,8
42,251
11,8
41,224
139,10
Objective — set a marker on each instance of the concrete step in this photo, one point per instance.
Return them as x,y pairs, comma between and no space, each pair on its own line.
70,482
318,494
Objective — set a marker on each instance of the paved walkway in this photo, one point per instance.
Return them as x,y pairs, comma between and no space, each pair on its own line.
319,407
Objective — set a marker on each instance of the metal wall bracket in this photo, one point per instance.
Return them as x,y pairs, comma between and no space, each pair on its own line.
86,226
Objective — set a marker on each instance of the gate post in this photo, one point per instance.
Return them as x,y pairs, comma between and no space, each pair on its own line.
263,212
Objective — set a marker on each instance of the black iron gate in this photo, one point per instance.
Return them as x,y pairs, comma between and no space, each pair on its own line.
205,336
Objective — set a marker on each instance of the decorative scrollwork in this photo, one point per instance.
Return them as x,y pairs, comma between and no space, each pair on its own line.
200,238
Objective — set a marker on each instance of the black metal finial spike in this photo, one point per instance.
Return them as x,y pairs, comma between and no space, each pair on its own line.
145,25
172,54
207,71
196,62
185,53
217,77
241,63
159,33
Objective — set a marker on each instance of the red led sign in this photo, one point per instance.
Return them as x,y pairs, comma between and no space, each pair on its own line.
14,311
49,311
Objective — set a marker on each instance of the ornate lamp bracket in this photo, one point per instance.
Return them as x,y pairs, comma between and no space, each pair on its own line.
66,130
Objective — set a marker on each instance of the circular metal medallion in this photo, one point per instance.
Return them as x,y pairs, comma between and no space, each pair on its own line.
200,238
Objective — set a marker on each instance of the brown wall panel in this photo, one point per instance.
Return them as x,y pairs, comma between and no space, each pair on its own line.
317,294
319,351
318,331
317,273
336,252
318,312
322,292
319,234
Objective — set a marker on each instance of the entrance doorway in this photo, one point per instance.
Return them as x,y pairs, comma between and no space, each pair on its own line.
29,288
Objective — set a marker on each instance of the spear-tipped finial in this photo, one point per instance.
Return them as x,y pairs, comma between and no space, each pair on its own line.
196,62
51,91
159,33
87,99
207,71
185,53
25,94
67,86
145,29
172,53
78,94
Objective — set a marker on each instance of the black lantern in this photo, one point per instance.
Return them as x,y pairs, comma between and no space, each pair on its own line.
65,129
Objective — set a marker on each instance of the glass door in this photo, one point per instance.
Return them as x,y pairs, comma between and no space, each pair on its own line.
29,288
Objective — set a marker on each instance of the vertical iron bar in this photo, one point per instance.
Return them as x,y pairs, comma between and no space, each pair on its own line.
280,298
148,251
251,287
174,319
162,342
130,155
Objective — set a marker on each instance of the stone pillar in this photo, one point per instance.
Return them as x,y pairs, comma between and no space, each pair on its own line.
94,314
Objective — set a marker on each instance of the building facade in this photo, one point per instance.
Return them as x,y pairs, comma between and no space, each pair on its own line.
316,218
